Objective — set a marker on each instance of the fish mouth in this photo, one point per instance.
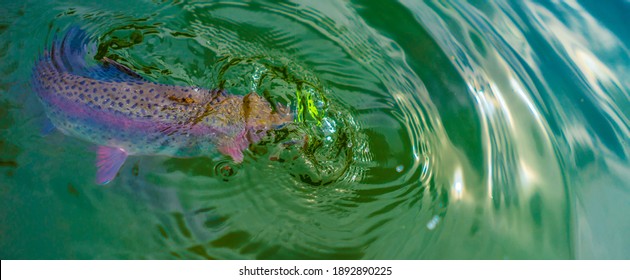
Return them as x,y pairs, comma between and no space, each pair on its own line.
282,116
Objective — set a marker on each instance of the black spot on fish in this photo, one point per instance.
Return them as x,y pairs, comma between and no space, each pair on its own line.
105,90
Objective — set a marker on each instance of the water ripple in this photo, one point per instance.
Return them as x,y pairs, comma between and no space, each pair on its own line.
424,129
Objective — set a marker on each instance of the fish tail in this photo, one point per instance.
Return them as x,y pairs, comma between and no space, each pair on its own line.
66,54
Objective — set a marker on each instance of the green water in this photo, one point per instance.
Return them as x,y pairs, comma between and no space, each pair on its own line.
437,130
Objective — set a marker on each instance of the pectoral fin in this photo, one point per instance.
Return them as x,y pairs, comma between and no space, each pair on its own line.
47,127
232,151
108,162
234,146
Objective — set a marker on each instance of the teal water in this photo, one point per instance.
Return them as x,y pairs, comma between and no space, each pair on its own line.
438,130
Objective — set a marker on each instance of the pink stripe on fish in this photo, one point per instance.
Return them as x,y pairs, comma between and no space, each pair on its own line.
122,121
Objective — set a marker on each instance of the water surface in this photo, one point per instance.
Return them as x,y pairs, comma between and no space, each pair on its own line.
437,130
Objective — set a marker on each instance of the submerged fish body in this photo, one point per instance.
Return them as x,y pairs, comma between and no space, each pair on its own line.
124,114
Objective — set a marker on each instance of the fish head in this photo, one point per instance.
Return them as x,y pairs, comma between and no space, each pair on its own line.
260,117
281,116
246,121
259,114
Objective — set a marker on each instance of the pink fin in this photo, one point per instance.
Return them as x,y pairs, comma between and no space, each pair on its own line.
108,162
234,147
232,151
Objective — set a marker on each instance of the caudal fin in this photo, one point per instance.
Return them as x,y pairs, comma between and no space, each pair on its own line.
68,53
71,54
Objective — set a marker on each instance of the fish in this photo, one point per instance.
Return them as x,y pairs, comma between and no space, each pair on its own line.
115,108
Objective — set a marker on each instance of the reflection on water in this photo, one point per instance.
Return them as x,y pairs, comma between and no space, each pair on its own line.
425,129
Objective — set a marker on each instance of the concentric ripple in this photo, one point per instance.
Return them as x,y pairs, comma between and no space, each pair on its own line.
423,129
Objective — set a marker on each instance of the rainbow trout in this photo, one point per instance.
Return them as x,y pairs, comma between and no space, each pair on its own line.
124,114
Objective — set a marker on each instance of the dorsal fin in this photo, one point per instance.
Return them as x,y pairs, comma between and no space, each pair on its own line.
122,68
111,70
